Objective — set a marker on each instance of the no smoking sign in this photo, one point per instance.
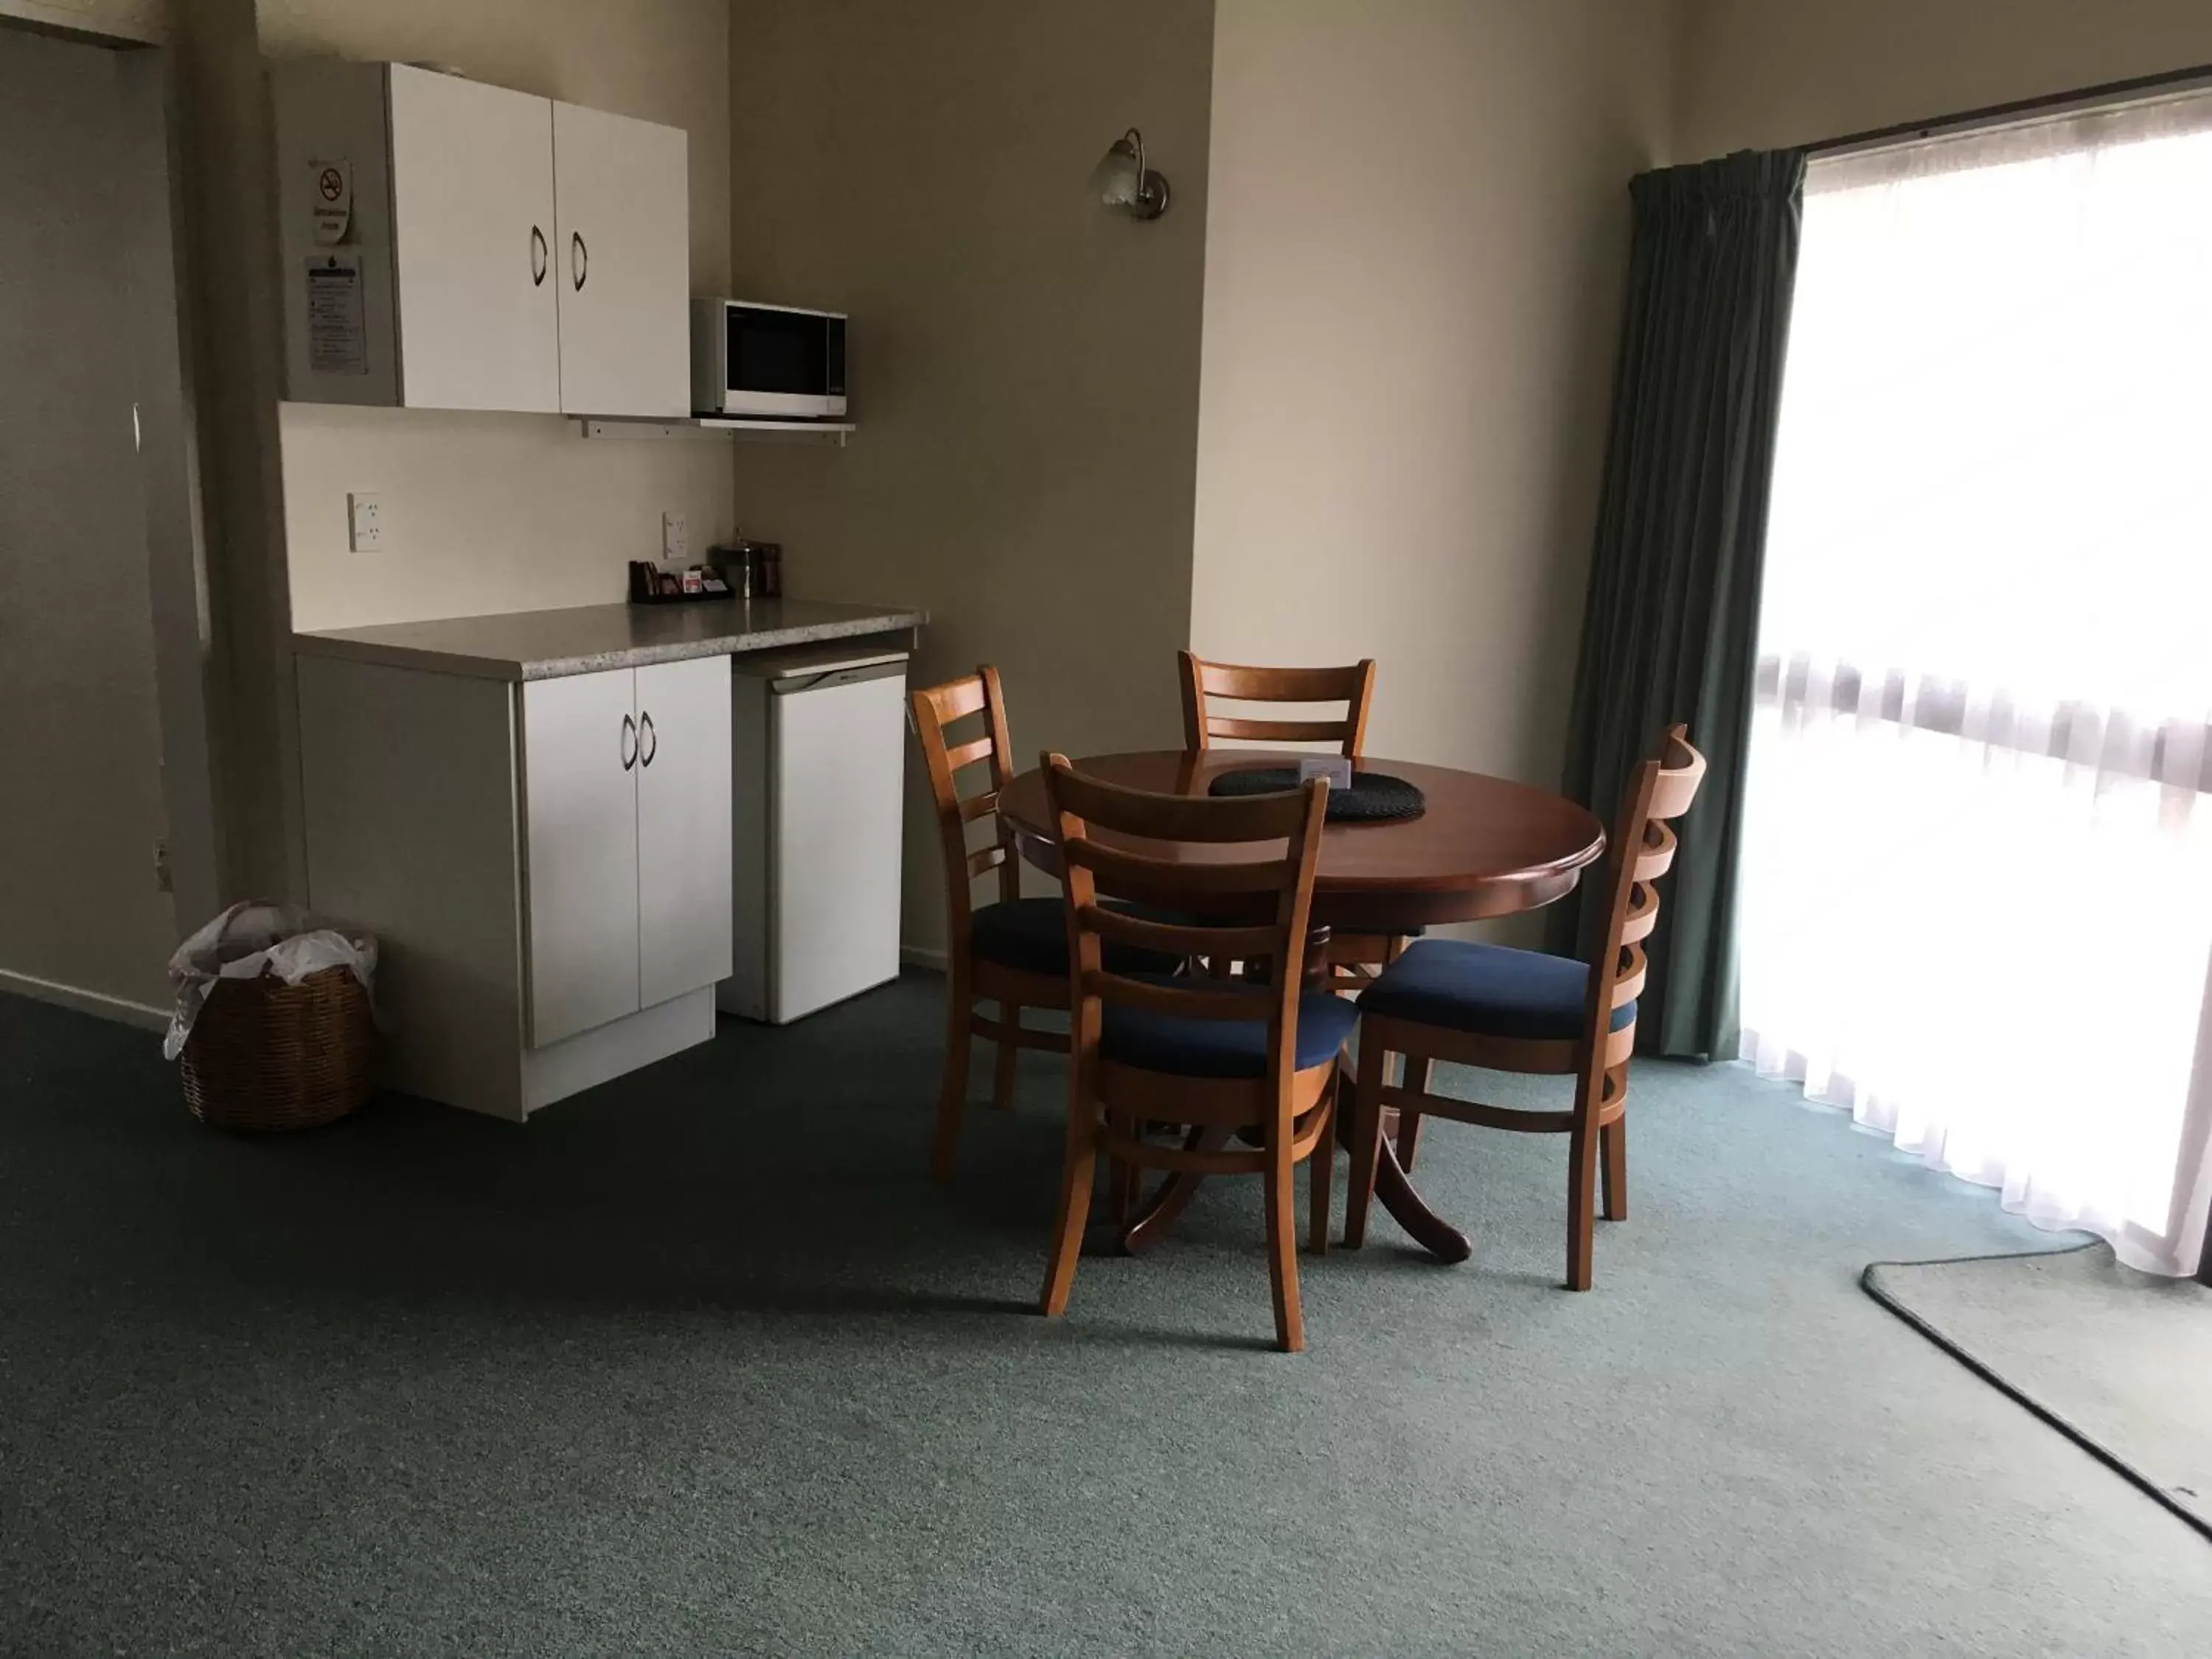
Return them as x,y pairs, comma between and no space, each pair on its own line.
333,201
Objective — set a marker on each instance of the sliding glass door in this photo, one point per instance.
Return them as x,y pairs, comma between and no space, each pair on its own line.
1978,881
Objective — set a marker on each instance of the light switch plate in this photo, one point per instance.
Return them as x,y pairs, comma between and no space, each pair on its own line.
675,540
364,522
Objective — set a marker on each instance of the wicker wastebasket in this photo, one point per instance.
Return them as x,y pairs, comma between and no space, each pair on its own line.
264,1054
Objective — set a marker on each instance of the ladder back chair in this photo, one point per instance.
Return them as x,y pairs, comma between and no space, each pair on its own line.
1233,1062
1354,953
1523,1011
1011,950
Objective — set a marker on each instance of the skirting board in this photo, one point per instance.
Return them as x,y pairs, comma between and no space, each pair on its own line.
86,1002
919,956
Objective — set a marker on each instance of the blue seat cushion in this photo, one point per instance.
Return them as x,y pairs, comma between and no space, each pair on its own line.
1031,934
1185,1047
1486,989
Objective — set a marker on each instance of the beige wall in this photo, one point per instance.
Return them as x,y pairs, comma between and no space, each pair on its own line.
1416,244
502,513
231,345
1757,74
120,20
1024,365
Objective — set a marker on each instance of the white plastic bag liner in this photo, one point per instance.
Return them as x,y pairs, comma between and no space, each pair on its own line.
256,938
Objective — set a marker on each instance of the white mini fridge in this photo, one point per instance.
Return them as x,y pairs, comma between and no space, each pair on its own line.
818,742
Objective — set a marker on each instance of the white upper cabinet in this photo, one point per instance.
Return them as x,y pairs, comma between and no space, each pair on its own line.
451,244
622,203
473,229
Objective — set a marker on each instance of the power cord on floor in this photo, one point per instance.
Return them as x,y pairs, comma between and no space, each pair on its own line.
2058,1420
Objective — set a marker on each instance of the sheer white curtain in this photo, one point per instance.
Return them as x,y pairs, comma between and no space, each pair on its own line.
1976,902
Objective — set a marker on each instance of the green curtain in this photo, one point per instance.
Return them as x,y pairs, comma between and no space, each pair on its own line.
1672,616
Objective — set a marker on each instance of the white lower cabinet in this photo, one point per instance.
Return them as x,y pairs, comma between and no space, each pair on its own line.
626,804
546,866
683,915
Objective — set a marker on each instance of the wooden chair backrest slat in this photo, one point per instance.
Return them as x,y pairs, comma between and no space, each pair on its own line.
1353,686
1284,831
1643,913
1654,850
1226,1000
1142,932
1644,847
935,708
967,753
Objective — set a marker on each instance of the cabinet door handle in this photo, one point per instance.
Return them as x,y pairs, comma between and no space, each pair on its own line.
579,259
538,257
629,742
649,741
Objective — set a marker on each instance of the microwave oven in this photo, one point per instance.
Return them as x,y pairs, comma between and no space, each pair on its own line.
775,362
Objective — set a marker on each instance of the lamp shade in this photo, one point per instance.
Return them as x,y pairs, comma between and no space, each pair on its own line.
1119,177
1121,180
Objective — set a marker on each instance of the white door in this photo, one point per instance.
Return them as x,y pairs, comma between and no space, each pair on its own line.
840,753
579,756
624,216
682,827
473,226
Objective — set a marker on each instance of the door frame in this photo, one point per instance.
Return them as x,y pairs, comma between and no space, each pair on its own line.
150,200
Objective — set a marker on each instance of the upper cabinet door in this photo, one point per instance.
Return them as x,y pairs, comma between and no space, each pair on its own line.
579,756
624,259
474,236
683,810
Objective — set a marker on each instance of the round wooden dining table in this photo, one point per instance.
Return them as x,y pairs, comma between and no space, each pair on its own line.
1484,847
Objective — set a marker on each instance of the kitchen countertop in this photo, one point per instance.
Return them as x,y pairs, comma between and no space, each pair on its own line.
540,645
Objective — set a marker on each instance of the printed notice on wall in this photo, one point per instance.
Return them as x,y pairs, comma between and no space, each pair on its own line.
337,324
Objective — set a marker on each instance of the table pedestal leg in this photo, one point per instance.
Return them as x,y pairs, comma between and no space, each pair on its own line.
1173,1193
1408,1208
1422,1224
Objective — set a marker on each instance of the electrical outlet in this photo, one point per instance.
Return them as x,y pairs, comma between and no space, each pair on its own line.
364,522
675,540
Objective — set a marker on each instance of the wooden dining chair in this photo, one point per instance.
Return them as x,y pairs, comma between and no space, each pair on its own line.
1013,950
1355,953
1523,1011
1220,1058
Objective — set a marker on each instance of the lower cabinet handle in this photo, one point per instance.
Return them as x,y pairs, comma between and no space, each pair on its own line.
538,257
579,259
649,741
629,742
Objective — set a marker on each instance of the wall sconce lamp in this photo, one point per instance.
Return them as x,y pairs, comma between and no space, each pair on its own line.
1121,180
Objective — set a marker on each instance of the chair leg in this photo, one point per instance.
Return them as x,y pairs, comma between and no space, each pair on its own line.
1409,1122
1582,1196
952,1089
1002,1079
1613,1164
1321,1174
1365,1144
1282,1243
1067,1226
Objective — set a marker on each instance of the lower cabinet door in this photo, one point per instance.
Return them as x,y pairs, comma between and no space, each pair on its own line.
682,827
581,753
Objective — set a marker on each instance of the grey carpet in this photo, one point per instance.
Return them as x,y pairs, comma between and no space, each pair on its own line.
699,1363
2120,1360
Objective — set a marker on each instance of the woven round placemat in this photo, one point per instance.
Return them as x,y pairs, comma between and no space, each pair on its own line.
1373,797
